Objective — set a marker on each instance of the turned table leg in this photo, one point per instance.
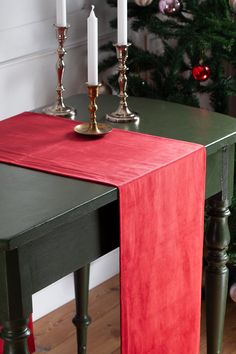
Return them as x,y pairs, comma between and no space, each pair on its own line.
82,319
15,334
217,274
15,302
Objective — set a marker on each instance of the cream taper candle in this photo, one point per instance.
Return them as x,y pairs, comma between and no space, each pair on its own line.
61,13
92,27
122,16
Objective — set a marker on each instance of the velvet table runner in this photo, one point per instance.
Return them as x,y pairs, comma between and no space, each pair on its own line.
161,198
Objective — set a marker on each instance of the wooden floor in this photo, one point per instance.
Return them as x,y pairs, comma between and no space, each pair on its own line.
55,333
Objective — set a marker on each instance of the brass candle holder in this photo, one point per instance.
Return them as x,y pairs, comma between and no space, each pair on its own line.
93,128
59,108
123,113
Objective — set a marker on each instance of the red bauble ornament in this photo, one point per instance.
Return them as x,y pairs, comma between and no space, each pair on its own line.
201,72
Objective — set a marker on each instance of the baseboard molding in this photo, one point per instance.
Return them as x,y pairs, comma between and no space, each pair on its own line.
61,292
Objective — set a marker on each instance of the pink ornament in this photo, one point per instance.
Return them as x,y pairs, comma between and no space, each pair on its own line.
170,7
232,5
233,292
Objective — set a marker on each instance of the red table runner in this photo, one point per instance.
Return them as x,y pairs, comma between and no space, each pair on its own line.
161,197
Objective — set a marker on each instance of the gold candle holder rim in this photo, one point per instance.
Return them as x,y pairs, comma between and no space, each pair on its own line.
95,86
64,27
117,45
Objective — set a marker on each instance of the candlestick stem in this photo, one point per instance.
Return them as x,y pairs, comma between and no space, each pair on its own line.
123,113
93,127
93,94
60,66
59,108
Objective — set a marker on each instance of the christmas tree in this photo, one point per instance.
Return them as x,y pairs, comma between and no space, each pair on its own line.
194,55
195,48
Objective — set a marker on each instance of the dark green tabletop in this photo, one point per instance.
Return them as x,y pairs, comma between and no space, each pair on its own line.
213,130
29,199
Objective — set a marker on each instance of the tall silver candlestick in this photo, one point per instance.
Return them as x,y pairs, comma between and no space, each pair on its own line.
59,108
123,113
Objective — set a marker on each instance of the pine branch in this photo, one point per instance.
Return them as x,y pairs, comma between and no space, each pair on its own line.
204,31
107,63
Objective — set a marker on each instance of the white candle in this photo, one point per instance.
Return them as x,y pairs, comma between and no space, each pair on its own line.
122,22
92,28
61,13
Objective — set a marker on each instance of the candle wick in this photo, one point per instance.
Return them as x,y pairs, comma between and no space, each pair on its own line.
93,7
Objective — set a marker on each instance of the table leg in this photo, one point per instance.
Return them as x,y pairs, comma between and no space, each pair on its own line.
82,319
217,241
15,301
15,334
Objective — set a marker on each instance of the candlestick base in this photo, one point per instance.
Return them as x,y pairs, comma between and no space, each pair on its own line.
61,111
93,129
122,115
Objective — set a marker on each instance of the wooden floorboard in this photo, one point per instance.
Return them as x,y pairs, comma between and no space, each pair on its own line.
55,334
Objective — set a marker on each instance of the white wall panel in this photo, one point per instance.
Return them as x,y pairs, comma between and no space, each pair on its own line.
30,81
39,36
20,13
28,51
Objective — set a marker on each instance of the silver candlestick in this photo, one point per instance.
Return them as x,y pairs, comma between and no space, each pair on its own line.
123,113
59,108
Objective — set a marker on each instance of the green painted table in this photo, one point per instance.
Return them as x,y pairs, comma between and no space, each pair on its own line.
52,226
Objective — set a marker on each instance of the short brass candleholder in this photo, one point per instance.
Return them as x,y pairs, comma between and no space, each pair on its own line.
59,108
93,127
123,113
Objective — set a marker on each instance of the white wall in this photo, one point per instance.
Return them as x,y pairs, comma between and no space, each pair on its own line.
62,291
28,81
27,51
